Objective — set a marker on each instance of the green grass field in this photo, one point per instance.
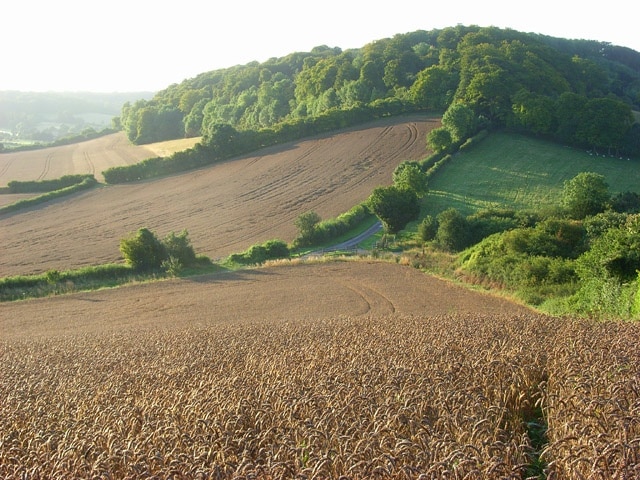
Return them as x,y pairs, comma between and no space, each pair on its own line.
519,172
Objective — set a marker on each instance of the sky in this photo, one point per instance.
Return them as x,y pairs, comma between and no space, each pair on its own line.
142,45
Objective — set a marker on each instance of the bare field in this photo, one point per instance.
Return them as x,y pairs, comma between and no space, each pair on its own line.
90,157
226,207
289,293
353,370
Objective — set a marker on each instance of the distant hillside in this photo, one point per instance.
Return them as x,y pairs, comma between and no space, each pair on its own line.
48,116
568,90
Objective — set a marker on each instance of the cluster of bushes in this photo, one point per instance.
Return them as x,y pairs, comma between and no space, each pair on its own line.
312,230
583,258
257,254
40,186
144,251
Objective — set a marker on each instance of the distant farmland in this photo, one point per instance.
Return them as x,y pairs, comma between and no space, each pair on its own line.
90,157
225,208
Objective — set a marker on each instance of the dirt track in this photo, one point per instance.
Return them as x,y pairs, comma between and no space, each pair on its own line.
280,293
226,208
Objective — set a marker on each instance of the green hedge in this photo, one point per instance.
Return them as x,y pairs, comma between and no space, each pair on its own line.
87,183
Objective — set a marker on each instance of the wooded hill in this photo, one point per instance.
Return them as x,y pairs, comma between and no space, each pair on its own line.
580,92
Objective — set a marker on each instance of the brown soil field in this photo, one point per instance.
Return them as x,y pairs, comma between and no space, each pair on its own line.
289,293
225,208
90,157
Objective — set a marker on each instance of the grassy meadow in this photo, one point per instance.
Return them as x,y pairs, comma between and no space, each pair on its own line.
515,171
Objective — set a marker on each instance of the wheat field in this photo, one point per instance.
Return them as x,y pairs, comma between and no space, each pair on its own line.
369,395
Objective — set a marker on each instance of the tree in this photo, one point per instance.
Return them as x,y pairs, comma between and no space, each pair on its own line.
439,139
460,120
394,206
143,251
178,247
453,230
586,194
306,224
428,228
409,175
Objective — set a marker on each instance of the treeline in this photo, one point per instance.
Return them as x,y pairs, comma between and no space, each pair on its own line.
40,186
224,141
555,87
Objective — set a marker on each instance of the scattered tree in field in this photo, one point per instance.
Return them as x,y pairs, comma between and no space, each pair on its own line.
394,206
586,194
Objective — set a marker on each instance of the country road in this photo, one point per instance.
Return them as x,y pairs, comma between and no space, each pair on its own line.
352,243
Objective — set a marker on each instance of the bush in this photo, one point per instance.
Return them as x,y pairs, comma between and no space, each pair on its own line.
143,251
179,248
428,228
257,254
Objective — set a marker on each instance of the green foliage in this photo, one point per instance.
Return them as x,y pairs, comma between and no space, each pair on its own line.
257,254
54,282
575,91
143,251
37,186
330,229
453,230
428,228
88,182
439,139
306,225
460,120
409,175
394,206
178,249
585,194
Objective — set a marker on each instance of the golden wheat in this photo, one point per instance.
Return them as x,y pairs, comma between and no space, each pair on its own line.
384,397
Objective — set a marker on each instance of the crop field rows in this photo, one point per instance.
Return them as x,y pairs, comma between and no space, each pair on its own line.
225,208
89,157
385,396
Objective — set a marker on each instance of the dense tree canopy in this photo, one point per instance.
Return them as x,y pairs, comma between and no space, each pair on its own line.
579,92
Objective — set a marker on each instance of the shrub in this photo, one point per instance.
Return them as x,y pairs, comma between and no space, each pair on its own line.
178,247
257,254
453,230
143,251
428,228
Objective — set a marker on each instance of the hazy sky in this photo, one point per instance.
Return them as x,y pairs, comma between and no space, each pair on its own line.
136,45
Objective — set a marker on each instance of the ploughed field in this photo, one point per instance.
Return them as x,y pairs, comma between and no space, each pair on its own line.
226,208
353,369
90,157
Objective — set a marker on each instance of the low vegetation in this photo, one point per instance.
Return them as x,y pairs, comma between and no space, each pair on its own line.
77,184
